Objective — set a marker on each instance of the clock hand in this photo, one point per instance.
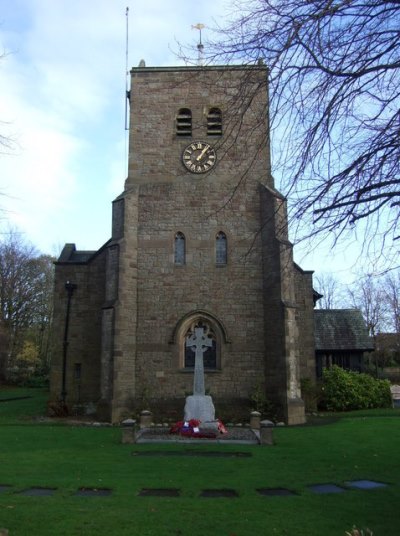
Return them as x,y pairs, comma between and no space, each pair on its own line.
203,152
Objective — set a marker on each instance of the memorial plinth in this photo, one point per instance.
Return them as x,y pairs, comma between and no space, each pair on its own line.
199,406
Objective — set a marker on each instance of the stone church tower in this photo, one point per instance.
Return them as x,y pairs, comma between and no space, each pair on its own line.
199,238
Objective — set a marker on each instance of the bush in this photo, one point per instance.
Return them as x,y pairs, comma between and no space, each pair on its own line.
37,381
311,393
259,402
346,390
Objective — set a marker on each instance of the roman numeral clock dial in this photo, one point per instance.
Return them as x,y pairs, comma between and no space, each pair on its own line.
199,157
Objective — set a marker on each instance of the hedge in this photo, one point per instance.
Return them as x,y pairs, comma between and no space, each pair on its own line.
347,390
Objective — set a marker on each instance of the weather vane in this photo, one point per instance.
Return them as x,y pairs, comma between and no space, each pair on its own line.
200,47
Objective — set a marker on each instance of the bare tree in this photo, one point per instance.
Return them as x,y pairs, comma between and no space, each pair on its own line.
334,108
43,314
391,286
25,297
331,290
7,143
368,295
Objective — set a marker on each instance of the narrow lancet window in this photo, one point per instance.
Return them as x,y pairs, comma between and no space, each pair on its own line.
214,122
180,248
221,248
184,122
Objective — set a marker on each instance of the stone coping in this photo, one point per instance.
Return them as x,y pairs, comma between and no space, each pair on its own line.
199,68
235,435
192,453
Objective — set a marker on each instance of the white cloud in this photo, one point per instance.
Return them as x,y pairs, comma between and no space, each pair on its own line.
62,93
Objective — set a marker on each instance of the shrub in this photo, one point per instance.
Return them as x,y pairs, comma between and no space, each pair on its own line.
311,394
38,381
346,390
259,402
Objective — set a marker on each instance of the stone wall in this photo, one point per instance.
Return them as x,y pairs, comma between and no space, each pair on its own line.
84,338
172,200
133,302
157,95
169,292
305,320
281,330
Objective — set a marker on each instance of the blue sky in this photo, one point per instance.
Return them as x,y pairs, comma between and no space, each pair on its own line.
62,85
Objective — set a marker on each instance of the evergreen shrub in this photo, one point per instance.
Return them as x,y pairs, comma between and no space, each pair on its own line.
347,390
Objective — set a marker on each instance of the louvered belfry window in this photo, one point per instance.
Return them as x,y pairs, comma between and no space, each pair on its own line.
184,122
214,122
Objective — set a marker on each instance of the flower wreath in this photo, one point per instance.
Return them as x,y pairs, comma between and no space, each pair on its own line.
191,429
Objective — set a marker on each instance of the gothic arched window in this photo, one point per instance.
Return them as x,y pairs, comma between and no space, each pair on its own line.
210,354
180,248
184,122
214,122
221,248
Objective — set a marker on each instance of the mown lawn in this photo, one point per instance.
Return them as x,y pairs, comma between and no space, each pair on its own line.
71,457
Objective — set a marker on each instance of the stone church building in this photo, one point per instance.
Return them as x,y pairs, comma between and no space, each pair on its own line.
199,238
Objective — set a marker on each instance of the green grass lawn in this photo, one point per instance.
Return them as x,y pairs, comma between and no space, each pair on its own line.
360,446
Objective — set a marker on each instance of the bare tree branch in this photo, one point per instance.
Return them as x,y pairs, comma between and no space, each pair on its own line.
334,107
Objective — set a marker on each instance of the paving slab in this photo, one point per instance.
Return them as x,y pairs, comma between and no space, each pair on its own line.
365,484
93,492
159,492
275,492
214,493
38,492
326,488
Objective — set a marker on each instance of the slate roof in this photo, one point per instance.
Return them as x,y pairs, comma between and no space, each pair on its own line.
70,255
341,329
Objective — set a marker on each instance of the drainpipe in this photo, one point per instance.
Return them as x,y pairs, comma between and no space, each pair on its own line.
69,287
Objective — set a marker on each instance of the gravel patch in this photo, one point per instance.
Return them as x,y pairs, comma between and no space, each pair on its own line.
162,435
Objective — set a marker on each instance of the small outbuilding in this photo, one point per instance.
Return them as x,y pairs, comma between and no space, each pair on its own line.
341,338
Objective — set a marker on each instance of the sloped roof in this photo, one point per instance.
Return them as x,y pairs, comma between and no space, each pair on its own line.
70,255
341,329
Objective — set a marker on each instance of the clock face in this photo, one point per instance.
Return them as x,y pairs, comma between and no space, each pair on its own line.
199,157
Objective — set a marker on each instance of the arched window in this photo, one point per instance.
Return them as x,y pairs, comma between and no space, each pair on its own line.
210,354
184,122
180,248
214,122
221,248
216,340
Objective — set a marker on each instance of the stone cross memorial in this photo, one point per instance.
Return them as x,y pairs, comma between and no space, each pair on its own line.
199,343
199,405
